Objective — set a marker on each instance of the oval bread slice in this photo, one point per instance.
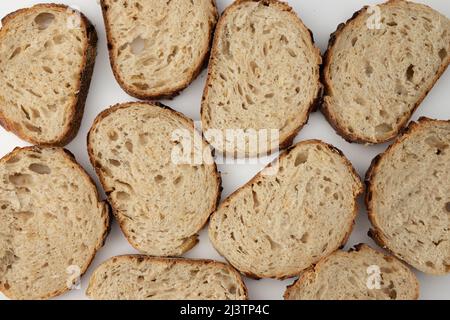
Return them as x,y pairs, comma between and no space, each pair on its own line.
263,75
408,196
47,55
158,47
51,222
135,277
380,65
360,274
297,211
160,201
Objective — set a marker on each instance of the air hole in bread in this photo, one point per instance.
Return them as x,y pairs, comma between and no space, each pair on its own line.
121,195
113,136
159,178
140,85
447,207
33,128
443,54
40,168
23,216
15,53
47,69
383,128
129,146
300,158
361,101
20,179
58,39
115,162
44,20
177,180
410,73
305,237
137,45
392,24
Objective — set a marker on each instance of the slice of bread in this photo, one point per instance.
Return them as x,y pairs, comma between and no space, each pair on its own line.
51,222
157,48
282,222
360,274
263,75
161,202
47,55
408,196
137,277
375,78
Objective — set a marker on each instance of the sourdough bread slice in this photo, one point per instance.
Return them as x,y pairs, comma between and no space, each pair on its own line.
263,75
157,48
360,274
51,222
283,221
135,277
408,196
380,65
161,198
47,55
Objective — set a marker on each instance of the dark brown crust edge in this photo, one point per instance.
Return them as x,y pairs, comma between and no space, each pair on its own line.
106,215
77,108
376,233
93,161
168,94
329,115
359,247
177,260
357,192
288,140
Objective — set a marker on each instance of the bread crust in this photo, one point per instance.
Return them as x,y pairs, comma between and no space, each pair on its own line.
317,267
77,107
114,205
288,140
205,262
168,94
376,233
357,192
328,88
105,216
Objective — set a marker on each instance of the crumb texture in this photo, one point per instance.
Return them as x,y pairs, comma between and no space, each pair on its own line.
132,148
144,278
364,274
410,196
158,47
279,224
376,77
43,52
52,222
263,73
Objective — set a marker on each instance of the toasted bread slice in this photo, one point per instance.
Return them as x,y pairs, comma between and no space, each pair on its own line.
283,221
360,274
408,196
51,222
47,55
157,48
161,202
263,76
380,65
135,277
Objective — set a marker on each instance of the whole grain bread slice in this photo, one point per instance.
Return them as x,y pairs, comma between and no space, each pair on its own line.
51,222
157,48
380,65
263,75
47,55
408,196
298,210
360,274
138,277
158,173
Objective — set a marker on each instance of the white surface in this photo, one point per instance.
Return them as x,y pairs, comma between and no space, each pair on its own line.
321,17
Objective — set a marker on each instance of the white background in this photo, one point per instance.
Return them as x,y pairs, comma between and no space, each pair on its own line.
321,17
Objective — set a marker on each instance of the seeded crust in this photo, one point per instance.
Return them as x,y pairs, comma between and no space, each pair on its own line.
77,107
98,278
376,233
163,94
328,87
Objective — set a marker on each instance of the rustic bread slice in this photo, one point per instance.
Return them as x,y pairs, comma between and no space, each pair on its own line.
375,78
47,55
360,274
263,75
137,277
281,223
408,196
157,48
51,222
160,202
